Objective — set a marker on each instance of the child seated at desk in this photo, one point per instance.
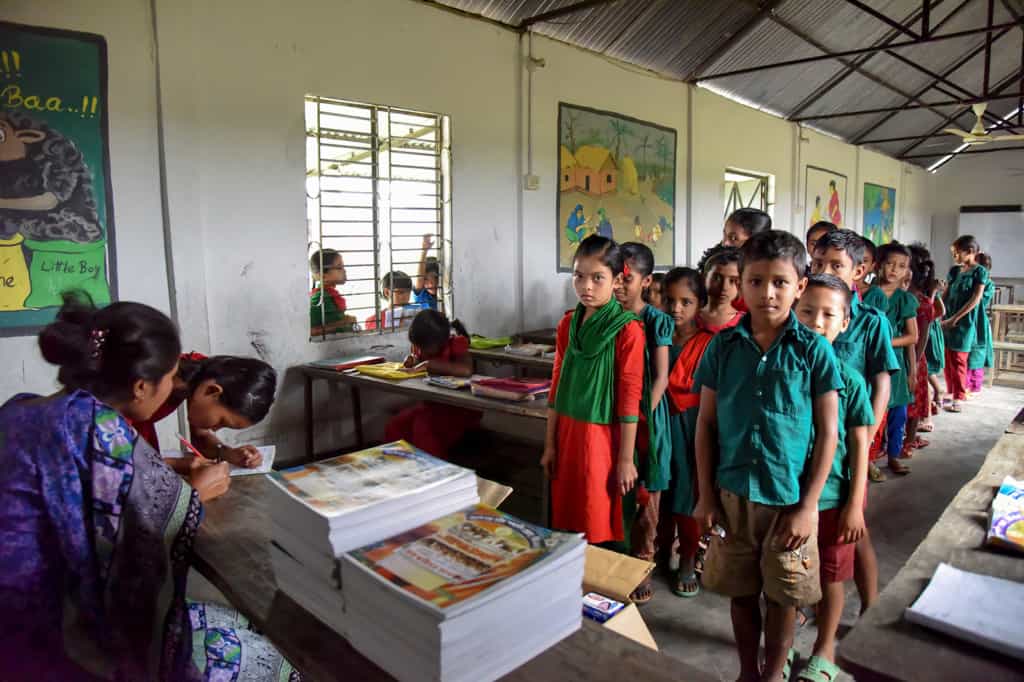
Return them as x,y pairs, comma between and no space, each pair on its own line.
432,427
396,290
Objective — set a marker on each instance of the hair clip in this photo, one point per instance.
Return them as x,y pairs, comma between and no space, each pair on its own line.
625,270
97,337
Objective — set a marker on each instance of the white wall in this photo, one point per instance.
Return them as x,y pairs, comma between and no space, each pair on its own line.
142,275
233,77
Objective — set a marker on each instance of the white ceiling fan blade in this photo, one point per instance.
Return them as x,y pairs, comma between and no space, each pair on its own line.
1006,138
957,131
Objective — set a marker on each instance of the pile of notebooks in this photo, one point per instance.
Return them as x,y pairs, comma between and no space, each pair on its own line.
1006,517
391,549
510,389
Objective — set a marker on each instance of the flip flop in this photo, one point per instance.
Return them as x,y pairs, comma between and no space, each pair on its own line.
787,668
925,428
818,669
919,443
898,468
680,580
875,474
953,407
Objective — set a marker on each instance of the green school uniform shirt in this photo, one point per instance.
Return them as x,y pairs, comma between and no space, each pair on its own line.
982,353
962,285
898,308
854,410
333,309
658,328
765,407
866,345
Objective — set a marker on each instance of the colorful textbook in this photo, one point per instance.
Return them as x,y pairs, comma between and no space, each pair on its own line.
423,597
1006,519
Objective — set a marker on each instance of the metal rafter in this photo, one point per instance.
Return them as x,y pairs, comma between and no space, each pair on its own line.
952,68
966,151
828,86
867,9
863,50
765,9
907,107
1005,83
561,12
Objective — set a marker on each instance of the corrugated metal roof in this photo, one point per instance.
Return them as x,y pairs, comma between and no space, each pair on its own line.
676,37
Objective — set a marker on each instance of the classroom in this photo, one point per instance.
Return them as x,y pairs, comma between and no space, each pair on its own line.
350,223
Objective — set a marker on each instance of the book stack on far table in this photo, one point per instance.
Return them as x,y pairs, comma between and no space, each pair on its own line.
469,596
320,511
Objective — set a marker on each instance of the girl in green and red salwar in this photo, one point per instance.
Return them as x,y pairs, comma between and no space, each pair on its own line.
594,403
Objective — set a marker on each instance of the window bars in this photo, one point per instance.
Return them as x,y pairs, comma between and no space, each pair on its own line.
378,182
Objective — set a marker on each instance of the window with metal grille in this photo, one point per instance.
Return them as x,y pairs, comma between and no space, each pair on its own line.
748,189
378,207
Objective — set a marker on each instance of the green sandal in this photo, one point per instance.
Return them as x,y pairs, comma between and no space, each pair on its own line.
819,669
788,667
680,580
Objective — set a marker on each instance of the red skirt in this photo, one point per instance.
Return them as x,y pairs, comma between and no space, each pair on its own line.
921,407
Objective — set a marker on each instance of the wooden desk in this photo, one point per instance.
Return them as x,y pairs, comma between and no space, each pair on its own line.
414,389
231,551
498,356
883,646
545,336
1002,314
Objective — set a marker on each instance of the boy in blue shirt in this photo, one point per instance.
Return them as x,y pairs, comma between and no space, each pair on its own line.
768,391
425,291
824,308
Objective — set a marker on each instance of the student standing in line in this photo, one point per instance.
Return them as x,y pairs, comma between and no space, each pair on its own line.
982,353
655,292
744,223
824,307
654,445
923,274
685,296
433,427
766,435
967,282
900,307
936,349
865,346
721,272
868,277
594,403
816,232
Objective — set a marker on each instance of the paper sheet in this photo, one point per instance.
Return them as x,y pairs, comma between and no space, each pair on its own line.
268,452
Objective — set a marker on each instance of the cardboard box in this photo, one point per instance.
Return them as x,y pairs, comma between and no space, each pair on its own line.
617,575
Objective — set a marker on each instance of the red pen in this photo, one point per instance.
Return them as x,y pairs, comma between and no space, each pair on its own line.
190,446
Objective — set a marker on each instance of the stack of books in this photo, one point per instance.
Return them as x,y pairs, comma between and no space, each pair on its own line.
428,600
510,389
320,511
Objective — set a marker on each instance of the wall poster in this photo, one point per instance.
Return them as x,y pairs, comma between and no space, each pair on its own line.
617,178
879,213
824,196
56,208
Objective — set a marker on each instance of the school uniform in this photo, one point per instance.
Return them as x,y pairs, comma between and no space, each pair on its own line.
765,420
596,385
729,324
866,346
898,308
654,442
332,310
935,351
960,339
982,353
432,427
921,407
854,411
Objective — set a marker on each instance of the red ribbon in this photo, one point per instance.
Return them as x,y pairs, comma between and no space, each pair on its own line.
625,270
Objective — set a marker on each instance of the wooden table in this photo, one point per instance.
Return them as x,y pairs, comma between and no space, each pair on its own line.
1002,313
231,551
501,357
415,389
544,336
884,646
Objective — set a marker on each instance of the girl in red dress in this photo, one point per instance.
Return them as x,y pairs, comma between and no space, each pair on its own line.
594,404
432,427
721,271
922,276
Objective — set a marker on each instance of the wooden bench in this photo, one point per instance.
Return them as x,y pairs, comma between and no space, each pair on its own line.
998,349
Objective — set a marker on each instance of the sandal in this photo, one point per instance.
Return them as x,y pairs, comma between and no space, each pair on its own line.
643,593
787,668
907,452
898,467
679,585
953,407
919,443
875,474
818,669
926,428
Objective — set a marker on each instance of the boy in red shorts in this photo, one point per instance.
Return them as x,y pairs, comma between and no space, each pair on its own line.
824,308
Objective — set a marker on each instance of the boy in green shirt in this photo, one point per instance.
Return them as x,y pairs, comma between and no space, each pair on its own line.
765,384
327,312
824,308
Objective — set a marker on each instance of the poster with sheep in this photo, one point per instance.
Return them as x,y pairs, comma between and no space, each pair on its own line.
56,212
616,178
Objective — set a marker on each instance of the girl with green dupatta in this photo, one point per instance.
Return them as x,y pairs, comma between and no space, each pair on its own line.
594,403
982,353
654,443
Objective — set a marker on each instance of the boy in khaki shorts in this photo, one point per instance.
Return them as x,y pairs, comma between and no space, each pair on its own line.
768,390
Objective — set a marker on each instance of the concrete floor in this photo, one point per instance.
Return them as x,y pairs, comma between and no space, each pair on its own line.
901,511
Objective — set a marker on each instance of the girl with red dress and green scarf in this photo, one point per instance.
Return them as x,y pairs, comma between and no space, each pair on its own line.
594,403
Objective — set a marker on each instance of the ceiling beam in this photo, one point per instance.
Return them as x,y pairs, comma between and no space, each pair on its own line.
858,51
925,18
560,12
966,151
831,83
952,68
883,18
1006,82
766,7
907,107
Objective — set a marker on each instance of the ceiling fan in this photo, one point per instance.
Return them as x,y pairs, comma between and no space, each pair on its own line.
978,134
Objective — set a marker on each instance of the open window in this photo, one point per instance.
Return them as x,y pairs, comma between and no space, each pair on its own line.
748,189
